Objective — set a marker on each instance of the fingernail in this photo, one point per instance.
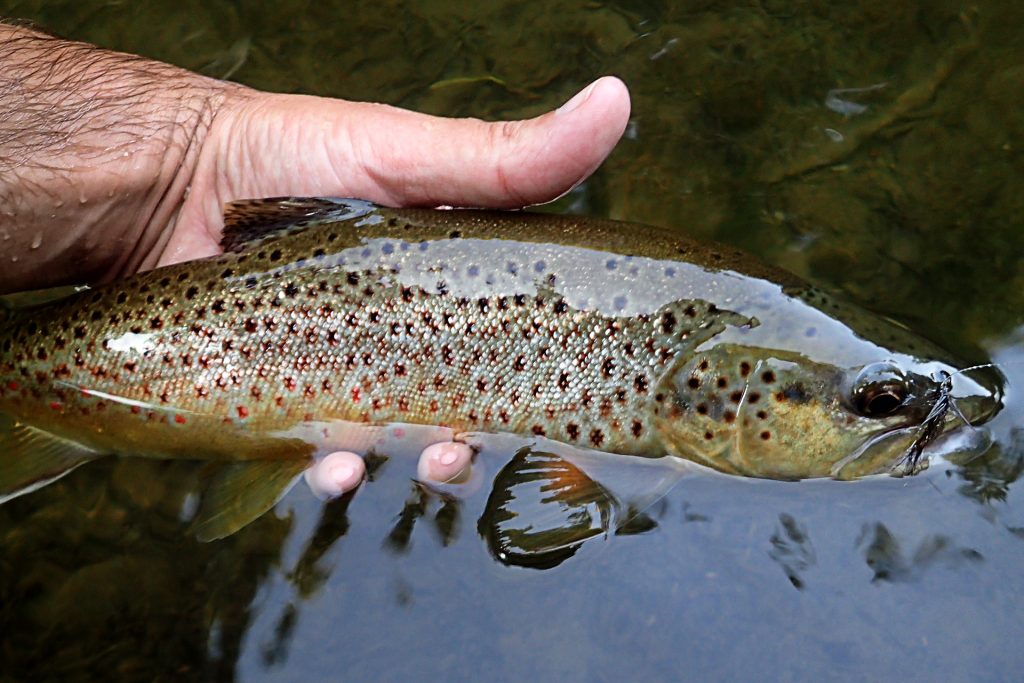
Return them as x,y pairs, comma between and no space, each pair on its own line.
574,104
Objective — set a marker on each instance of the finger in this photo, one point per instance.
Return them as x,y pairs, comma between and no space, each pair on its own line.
299,145
424,160
335,475
444,462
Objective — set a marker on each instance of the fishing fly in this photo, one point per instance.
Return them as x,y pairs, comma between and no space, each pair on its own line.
931,427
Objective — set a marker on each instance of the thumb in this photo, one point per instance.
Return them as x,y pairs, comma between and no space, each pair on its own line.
417,159
300,145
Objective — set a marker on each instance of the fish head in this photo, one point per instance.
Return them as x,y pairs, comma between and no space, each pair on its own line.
776,414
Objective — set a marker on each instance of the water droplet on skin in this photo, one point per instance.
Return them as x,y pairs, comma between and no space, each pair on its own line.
14,259
58,204
5,235
37,240
83,200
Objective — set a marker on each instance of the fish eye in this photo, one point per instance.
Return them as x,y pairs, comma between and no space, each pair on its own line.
879,390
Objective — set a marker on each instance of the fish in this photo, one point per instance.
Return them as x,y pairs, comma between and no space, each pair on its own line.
324,317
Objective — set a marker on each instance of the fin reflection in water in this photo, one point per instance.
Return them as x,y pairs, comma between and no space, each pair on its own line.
543,506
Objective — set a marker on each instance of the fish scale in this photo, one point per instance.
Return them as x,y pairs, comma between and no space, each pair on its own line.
356,349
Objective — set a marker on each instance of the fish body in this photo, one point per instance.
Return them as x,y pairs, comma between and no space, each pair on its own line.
599,334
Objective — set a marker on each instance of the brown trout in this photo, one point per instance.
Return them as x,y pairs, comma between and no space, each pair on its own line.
598,334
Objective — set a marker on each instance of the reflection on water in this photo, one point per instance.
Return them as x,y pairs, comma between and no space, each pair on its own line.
910,200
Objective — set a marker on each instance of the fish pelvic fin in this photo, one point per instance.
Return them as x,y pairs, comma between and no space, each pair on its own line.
31,458
237,493
247,222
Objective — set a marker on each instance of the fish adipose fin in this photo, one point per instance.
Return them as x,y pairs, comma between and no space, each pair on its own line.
544,505
249,221
31,458
237,493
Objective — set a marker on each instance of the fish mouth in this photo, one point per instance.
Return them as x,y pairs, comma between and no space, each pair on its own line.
951,426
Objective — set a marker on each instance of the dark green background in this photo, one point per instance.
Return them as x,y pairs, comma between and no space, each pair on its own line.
915,213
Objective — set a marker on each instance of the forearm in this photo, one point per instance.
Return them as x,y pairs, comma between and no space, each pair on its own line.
96,154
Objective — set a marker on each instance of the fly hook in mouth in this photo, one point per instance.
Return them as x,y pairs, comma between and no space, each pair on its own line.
931,427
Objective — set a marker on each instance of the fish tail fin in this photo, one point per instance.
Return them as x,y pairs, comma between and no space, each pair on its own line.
31,458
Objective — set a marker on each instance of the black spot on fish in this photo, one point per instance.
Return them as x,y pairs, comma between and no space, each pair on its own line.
767,376
722,382
573,430
275,255
668,322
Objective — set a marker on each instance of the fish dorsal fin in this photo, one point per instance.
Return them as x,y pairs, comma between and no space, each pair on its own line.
248,221
31,458
237,493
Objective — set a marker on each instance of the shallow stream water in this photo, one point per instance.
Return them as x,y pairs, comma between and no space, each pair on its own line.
873,147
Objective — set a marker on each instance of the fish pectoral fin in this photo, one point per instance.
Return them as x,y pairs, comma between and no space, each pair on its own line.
237,493
542,508
31,458
250,220
545,503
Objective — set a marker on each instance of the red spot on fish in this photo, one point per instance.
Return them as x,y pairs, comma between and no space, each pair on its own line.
355,395
54,405
243,412
13,386
180,419
136,410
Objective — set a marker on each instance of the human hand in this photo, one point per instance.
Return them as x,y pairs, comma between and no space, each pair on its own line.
262,144
111,163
